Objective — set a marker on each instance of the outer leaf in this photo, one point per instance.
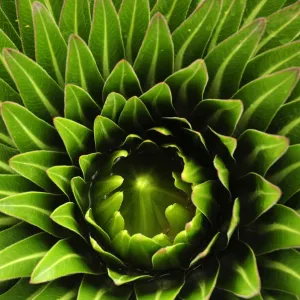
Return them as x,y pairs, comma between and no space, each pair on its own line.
113,106
155,59
107,51
282,27
238,273
9,9
120,279
14,184
286,122
34,208
258,151
107,134
257,196
7,93
5,138
6,153
174,11
270,295
75,136
33,166
280,271
80,190
191,38
82,69
135,117
276,59
285,173
260,101
220,115
19,259
79,106
226,62
161,288
134,19
122,80
50,47
279,228
200,282
28,131
75,18
187,86
40,93
66,215
66,257
93,287
61,176
7,221
229,21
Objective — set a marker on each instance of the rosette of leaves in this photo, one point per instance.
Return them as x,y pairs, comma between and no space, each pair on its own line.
149,149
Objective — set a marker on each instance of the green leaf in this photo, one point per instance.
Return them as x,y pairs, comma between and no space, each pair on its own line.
82,69
278,295
135,117
28,131
263,97
5,138
276,59
80,191
174,11
66,257
33,166
66,216
222,172
134,20
61,176
120,278
76,137
9,29
228,23
35,208
161,288
285,173
14,184
221,115
7,93
122,80
258,151
238,272
89,164
282,28
50,47
40,93
155,60
113,106
107,51
75,18
257,195
103,287
6,153
117,4
279,228
200,282
286,122
187,86
255,9
191,38
226,62
107,134
235,219
280,271
9,9
79,106
158,101
7,221
19,259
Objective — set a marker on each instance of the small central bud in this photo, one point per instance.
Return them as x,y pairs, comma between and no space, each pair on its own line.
143,182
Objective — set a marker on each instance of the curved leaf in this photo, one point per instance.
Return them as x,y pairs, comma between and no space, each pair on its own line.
191,38
134,19
122,80
82,69
75,18
50,47
226,62
155,60
113,106
80,191
7,93
279,228
6,153
28,131
107,51
39,92
120,278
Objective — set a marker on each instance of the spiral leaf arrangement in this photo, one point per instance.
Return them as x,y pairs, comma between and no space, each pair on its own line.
149,149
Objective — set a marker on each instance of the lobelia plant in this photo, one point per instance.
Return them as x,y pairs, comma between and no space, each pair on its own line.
150,149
